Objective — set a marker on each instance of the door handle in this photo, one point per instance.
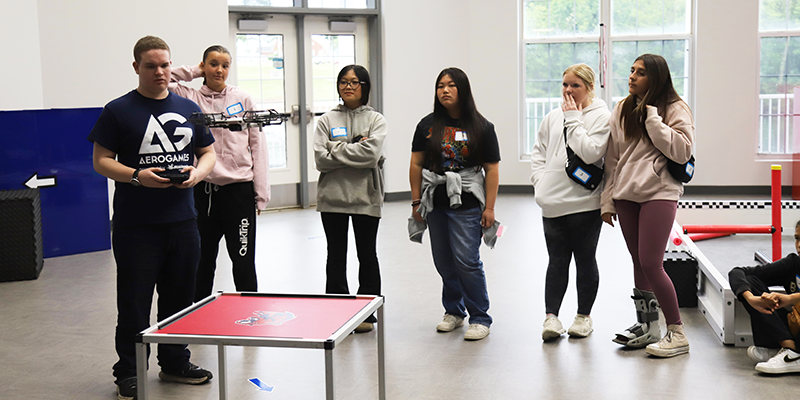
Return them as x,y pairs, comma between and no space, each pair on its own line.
295,115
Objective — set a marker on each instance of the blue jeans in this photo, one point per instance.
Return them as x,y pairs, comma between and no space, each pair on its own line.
455,244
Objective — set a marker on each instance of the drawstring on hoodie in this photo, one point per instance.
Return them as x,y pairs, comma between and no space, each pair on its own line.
210,188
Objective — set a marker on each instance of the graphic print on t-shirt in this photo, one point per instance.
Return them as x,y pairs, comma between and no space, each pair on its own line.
157,149
454,148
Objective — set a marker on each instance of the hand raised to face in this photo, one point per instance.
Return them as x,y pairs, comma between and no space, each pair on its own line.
568,103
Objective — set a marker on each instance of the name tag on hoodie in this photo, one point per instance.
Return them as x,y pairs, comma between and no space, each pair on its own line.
235,109
339,132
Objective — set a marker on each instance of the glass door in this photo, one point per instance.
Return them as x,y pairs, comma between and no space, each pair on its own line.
268,66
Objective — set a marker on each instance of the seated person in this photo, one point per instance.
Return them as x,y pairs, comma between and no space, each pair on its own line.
775,329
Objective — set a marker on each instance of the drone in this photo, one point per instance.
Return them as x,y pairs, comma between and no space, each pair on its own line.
237,123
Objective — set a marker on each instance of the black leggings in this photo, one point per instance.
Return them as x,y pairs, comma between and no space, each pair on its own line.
365,229
568,236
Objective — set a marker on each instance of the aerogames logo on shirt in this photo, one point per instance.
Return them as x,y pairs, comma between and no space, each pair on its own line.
156,140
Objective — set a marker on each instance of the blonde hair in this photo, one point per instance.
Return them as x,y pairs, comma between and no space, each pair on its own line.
148,43
586,74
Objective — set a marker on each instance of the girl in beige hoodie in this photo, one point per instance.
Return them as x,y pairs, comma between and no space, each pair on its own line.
648,127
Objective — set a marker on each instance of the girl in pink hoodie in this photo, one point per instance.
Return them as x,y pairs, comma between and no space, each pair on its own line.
230,196
648,127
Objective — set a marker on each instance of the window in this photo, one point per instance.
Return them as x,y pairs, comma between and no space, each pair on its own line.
338,4
262,3
779,83
329,54
311,3
559,33
259,66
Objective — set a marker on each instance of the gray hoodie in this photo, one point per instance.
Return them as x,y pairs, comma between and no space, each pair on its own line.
351,174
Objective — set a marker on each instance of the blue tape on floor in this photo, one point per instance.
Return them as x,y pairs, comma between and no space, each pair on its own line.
261,385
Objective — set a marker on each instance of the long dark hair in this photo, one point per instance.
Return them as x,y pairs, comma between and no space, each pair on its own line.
660,95
219,49
470,120
362,75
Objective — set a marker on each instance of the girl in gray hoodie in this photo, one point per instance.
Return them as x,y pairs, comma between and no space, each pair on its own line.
348,150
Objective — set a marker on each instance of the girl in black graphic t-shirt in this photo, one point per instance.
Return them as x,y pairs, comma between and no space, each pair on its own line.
456,138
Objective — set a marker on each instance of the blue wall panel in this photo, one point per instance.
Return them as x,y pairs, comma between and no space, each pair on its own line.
52,143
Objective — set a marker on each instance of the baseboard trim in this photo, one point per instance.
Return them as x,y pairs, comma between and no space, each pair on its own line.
285,196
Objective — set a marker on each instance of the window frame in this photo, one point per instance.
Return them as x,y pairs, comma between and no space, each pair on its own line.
605,67
764,156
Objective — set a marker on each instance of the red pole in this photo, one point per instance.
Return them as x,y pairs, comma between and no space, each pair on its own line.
776,212
703,236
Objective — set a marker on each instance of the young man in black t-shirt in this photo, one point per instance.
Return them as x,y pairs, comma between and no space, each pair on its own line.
155,239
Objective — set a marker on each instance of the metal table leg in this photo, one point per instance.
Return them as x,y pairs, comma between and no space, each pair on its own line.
329,395
141,371
381,352
222,373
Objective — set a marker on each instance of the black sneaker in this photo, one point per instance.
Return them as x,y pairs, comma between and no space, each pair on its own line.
126,389
190,374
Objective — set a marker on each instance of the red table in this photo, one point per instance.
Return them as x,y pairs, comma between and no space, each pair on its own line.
266,320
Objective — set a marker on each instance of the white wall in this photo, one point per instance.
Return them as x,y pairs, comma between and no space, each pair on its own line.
477,36
87,46
22,88
417,46
726,108
79,54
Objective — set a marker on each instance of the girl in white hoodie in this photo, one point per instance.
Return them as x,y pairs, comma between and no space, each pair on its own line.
570,212
230,196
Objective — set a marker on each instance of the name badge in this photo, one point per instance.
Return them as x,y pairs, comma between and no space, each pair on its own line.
235,109
461,136
339,132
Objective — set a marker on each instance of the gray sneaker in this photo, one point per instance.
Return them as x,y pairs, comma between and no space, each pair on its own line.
552,328
672,344
581,327
761,354
450,323
476,332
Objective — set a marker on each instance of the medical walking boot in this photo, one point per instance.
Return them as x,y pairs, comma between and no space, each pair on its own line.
646,330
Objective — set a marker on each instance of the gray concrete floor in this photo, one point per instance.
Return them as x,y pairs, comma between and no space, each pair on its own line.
56,333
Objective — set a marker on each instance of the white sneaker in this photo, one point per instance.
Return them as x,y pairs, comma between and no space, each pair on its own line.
761,354
787,360
450,323
476,332
672,344
552,328
581,326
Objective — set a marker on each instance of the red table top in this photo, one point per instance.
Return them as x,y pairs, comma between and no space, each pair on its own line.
264,316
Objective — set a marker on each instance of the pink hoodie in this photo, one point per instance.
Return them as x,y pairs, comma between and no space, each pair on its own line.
241,156
637,171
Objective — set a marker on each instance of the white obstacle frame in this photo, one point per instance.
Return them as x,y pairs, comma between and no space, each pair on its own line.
715,300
